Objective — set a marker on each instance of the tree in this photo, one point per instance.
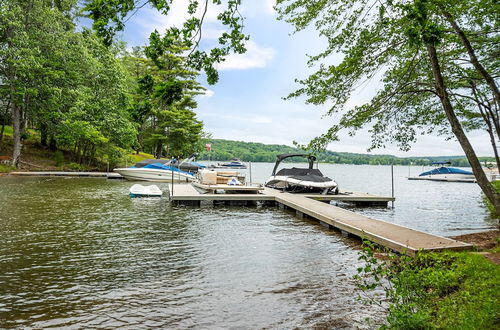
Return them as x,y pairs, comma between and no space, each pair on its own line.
27,31
66,83
425,61
110,16
163,101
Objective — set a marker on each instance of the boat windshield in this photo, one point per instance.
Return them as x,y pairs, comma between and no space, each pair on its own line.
280,158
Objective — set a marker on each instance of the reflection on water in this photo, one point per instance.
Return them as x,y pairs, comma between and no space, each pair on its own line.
81,253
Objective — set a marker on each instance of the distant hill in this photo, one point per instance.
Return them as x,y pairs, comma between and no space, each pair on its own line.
258,152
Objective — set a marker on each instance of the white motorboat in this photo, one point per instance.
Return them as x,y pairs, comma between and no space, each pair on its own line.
301,180
155,172
138,190
445,173
235,163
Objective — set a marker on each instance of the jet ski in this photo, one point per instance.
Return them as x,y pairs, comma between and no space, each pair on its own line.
301,180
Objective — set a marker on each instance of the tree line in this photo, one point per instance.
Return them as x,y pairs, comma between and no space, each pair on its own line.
95,100
223,150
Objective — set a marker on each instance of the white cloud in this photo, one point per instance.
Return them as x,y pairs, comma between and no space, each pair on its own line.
232,119
150,19
208,93
255,57
268,5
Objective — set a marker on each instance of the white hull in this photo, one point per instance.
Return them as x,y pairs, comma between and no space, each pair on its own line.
284,182
450,176
150,174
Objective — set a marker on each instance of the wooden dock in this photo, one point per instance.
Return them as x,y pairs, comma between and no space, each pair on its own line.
108,175
395,237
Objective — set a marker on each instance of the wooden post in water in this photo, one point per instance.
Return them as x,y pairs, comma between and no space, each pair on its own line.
392,184
250,169
172,170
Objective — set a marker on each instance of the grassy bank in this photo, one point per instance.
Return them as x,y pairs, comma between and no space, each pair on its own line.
490,207
436,290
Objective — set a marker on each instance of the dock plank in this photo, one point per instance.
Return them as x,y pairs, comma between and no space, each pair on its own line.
395,237
398,238
186,192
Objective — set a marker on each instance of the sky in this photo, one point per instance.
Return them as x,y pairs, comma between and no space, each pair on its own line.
247,103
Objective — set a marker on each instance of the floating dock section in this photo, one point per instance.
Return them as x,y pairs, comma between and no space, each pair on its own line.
395,237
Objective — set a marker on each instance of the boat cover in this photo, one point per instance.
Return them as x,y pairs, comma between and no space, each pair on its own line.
145,162
304,174
160,166
445,170
185,166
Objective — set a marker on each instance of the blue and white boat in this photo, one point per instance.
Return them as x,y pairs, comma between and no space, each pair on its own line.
159,172
445,173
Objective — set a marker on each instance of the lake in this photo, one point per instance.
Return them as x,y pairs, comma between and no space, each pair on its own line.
81,253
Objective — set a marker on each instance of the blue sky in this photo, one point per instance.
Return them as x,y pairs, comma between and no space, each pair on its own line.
247,105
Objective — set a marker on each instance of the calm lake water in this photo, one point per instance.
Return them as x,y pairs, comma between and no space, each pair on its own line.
80,253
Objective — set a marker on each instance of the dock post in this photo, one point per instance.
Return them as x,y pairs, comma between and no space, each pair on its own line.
392,184
299,214
250,170
324,224
172,171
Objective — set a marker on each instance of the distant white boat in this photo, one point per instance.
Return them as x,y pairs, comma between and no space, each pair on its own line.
235,163
138,190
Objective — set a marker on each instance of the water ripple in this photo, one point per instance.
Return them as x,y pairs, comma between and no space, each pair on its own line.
80,253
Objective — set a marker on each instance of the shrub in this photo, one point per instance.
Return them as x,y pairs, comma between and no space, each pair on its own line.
434,290
76,167
496,185
6,168
59,158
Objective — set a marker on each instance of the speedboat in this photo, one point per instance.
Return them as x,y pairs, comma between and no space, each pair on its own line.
187,165
138,190
234,163
159,171
445,173
301,180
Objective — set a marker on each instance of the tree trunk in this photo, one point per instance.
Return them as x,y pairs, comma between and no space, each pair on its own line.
487,119
457,129
52,143
495,148
159,146
1,134
472,56
16,123
4,120
43,135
